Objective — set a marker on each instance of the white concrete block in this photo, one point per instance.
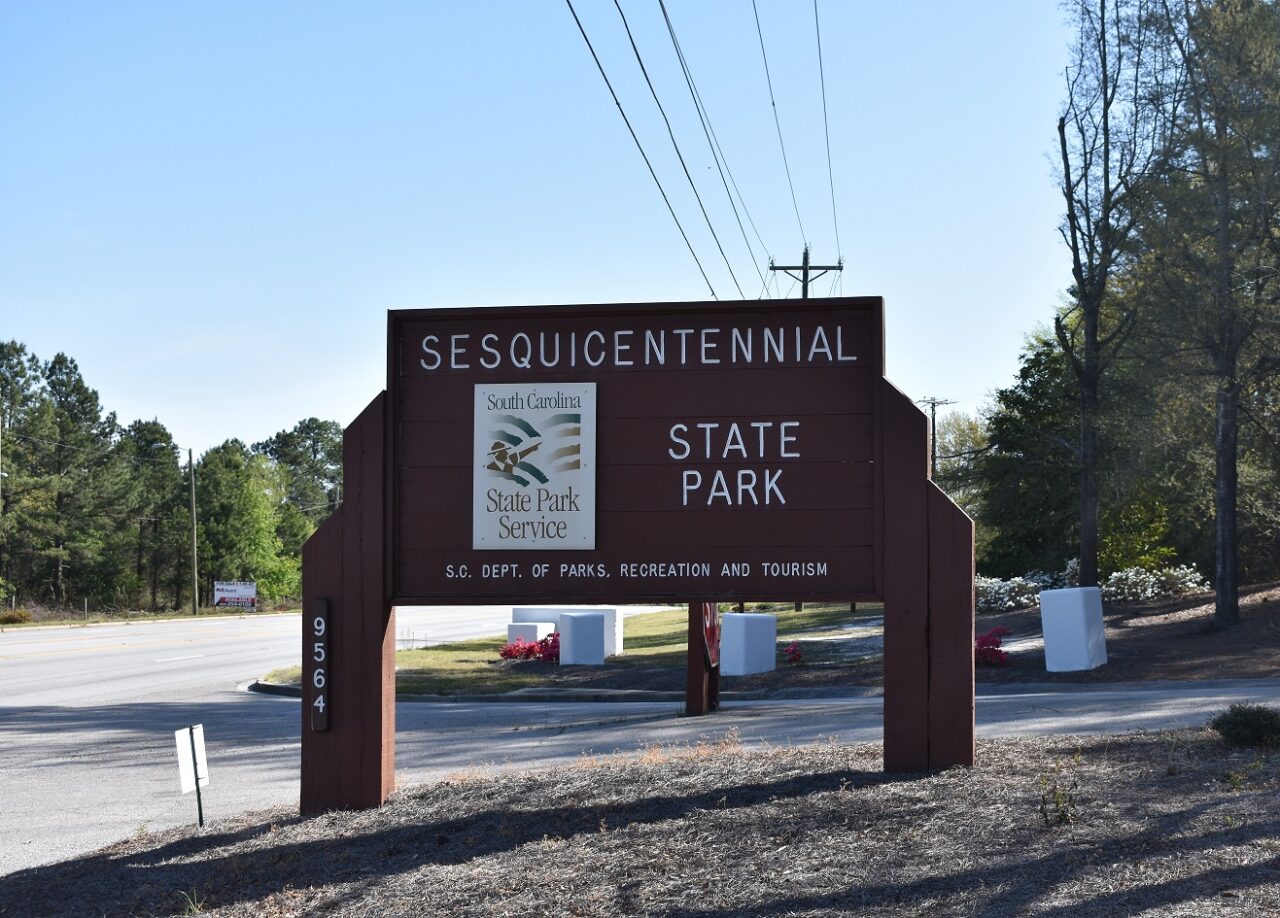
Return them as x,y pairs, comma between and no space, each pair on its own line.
529,631
582,638
1074,638
537,615
748,643
612,622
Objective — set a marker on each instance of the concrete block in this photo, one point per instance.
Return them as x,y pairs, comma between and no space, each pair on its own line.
748,643
582,638
1074,638
612,622
538,615
529,631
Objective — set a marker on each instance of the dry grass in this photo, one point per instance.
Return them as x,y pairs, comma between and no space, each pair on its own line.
1156,824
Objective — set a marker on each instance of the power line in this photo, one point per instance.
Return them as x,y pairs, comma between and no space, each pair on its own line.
670,133
716,154
827,132
640,147
804,238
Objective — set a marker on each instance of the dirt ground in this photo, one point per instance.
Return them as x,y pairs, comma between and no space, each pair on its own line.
1154,640
1160,639
1169,824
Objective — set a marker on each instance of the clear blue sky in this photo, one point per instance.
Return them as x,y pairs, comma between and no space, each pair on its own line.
211,206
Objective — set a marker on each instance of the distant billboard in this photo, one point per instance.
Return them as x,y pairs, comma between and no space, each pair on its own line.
238,594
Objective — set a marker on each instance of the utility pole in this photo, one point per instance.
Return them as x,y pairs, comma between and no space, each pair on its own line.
805,269
195,583
933,402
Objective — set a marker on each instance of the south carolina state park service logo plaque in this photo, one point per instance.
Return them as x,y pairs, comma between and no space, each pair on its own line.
534,482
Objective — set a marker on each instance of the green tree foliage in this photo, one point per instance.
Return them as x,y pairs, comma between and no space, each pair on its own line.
1213,231
90,510
237,493
310,458
1028,505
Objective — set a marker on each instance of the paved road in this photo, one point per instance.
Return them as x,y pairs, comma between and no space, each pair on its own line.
87,716
78,775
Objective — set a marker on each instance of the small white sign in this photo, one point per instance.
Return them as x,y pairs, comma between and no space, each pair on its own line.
239,594
534,455
189,767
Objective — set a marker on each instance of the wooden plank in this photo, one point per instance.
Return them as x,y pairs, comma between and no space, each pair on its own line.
425,577
321,581
352,765
951,610
905,457
763,391
816,529
376,611
649,488
839,438
702,681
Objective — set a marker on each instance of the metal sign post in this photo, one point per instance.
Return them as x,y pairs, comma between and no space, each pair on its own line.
193,766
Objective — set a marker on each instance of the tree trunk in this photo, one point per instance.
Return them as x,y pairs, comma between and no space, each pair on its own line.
1089,384
155,565
1225,487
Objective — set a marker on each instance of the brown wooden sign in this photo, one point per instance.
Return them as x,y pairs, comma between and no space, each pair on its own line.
714,449
690,451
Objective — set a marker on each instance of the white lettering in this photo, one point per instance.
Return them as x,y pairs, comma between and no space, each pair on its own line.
692,482
708,345
490,349
432,352
524,360
679,440
542,349
655,346
773,344
683,334
783,439
586,343
458,348
820,335
619,348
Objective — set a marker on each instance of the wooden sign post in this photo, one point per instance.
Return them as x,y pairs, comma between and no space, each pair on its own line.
635,453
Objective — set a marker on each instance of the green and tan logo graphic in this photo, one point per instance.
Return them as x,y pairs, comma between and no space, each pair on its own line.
534,472
523,453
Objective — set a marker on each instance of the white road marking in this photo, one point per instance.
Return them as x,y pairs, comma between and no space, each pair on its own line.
197,656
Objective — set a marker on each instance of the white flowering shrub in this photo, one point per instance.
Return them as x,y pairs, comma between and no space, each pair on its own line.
1129,585
996,595
1133,584
1181,581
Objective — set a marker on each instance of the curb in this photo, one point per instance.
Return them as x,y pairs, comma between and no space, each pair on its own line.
525,695
643,696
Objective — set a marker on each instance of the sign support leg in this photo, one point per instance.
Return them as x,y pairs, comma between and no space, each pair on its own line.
702,687
195,768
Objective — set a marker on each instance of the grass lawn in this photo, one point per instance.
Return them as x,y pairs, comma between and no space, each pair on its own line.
652,641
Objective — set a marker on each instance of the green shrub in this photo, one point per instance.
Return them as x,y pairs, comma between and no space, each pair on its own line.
1249,725
15,617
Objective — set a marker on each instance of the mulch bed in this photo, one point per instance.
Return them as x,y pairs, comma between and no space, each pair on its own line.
1148,824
